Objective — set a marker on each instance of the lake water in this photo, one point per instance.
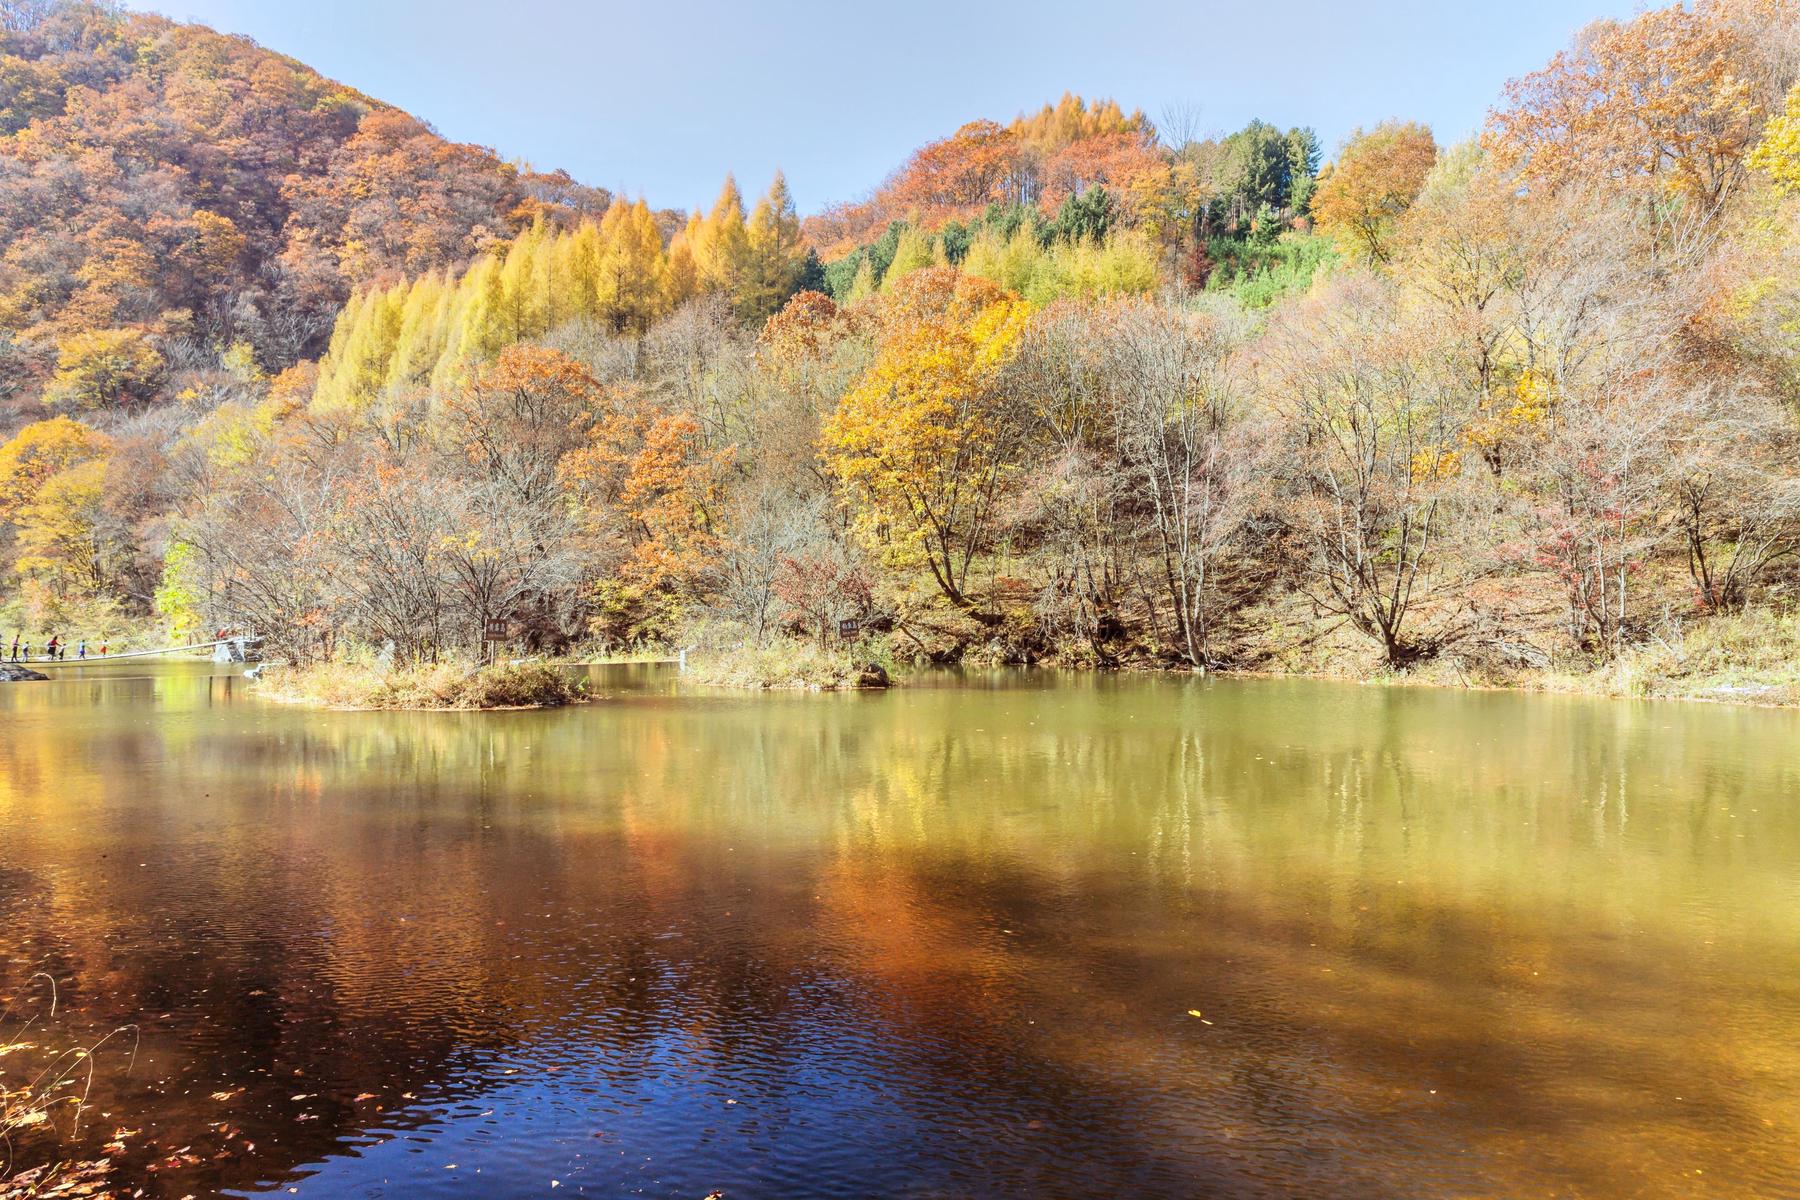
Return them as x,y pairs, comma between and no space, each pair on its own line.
940,942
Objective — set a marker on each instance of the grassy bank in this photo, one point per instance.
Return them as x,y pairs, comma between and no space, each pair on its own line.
791,664
598,653
1745,658
1750,658
356,684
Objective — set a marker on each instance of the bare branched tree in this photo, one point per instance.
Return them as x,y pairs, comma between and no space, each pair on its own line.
1375,414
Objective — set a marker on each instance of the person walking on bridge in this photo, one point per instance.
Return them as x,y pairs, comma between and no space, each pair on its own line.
55,641
15,655
81,649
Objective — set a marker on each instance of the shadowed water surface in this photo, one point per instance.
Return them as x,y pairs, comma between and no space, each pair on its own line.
938,942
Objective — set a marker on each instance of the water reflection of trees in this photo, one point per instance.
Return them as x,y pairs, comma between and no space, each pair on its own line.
1371,894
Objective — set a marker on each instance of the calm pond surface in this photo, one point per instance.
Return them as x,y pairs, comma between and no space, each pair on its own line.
940,942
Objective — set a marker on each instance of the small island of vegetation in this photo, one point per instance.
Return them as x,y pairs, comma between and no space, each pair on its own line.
793,665
365,683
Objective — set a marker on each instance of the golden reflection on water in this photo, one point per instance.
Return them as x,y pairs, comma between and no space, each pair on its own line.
1443,944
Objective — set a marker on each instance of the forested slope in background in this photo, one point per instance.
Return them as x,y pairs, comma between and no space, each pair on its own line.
166,190
1080,387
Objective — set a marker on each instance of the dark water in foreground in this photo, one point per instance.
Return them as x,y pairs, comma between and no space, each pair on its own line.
940,942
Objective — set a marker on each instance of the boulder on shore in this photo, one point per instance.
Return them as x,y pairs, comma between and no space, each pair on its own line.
13,673
873,676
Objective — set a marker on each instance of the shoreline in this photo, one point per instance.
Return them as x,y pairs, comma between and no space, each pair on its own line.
359,686
1523,687
1750,697
1388,682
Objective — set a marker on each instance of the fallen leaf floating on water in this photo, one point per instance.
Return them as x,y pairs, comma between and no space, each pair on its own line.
361,1096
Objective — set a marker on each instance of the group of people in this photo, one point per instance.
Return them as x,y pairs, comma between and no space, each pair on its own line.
56,650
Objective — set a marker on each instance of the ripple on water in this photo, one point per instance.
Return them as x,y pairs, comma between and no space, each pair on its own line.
942,943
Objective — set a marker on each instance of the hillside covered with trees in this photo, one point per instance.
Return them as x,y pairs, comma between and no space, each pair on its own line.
1082,388
166,191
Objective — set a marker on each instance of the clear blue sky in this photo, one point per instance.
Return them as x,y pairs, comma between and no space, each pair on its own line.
663,98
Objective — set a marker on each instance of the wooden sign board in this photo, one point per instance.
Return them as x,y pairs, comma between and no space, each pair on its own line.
495,630
848,630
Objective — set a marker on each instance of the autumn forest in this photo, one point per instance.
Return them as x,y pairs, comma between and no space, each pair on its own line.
1080,386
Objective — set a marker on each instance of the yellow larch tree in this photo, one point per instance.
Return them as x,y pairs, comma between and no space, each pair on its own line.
923,446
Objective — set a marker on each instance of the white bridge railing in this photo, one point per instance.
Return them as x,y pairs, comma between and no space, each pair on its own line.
241,644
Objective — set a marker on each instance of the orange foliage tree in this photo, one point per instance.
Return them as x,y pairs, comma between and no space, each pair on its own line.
1117,161
980,163
516,418
1037,159
1375,180
1658,101
647,490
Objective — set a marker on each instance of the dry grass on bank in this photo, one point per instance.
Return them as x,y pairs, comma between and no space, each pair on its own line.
446,685
1744,658
793,665
593,653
